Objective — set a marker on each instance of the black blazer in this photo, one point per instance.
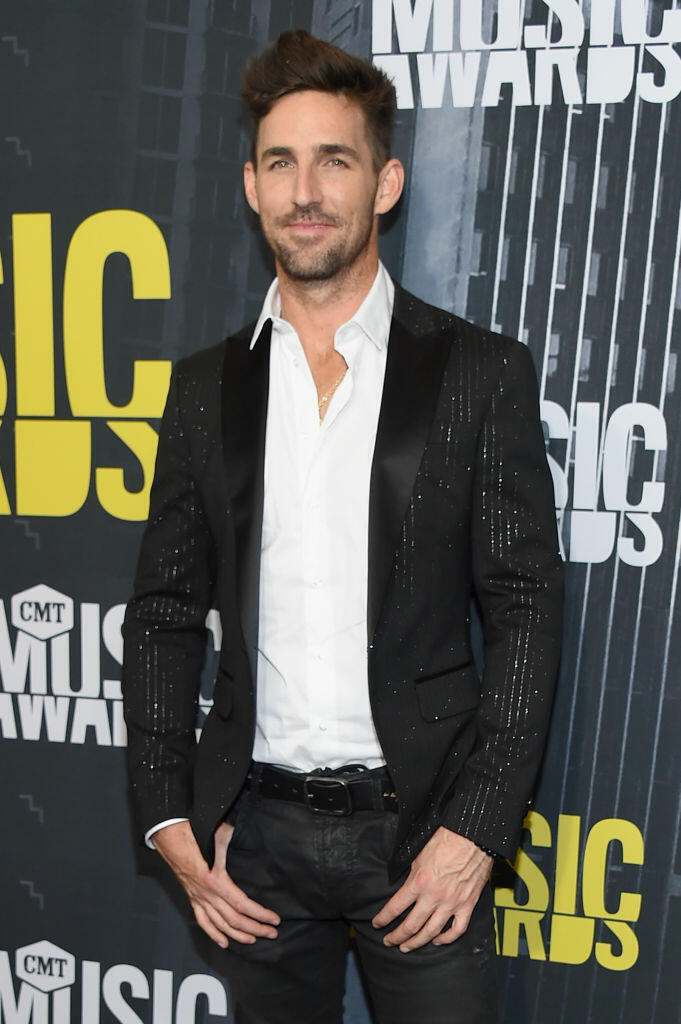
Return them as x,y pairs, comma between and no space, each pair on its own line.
461,504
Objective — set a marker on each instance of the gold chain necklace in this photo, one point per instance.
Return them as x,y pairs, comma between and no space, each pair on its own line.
328,394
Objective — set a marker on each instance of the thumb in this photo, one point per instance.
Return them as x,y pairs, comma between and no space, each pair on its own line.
223,835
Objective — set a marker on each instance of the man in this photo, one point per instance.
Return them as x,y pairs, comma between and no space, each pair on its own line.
339,480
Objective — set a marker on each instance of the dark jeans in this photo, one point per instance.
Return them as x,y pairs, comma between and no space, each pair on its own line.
322,873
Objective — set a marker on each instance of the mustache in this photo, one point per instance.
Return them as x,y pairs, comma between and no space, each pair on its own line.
310,214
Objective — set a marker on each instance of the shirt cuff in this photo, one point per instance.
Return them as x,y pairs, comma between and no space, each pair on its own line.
157,828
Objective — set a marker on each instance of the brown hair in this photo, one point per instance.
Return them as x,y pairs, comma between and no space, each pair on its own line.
296,61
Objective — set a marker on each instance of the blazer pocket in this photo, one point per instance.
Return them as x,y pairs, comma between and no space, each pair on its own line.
448,693
223,695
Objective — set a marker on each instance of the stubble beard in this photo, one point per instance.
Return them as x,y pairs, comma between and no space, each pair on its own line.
322,265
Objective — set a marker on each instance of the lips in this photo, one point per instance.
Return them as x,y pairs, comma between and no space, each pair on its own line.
303,223
309,228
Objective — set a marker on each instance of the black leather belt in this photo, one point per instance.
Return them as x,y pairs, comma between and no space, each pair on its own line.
327,790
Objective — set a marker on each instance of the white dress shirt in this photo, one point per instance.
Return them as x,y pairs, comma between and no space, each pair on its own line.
313,705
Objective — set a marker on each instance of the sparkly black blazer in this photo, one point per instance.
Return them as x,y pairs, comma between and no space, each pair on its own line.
461,505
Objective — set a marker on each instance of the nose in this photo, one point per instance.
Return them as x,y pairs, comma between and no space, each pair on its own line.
307,186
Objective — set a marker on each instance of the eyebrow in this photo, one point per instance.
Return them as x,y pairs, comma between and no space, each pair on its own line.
325,148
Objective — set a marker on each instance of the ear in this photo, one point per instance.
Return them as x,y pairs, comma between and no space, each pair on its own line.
390,185
249,186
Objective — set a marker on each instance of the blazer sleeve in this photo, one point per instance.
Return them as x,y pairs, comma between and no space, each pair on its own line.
518,581
164,630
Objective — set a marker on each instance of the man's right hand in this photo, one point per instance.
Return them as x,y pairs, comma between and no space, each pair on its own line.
221,908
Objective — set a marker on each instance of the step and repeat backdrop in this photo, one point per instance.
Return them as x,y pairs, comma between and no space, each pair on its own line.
542,142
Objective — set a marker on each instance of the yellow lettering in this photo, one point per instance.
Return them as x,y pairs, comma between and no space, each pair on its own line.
603,833
529,921
140,239
5,509
527,871
4,500
33,313
3,387
572,939
142,440
628,947
567,865
52,466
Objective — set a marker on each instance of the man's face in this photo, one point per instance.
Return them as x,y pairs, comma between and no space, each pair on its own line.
315,186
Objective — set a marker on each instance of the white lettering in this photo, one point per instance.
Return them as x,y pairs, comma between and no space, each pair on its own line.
585,485
28,654
652,541
90,714
670,60
193,987
558,427
8,723
119,731
90,992
432,77
602,23
610,73
112,635
617,456
411,25
464,69
30,715
634,14
571,21
36,709
507,66
163,997
113,981
592,535
509,26
56,711
29,1008
566,63
396,67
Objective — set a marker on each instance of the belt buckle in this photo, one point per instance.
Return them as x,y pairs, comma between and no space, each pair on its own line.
327,783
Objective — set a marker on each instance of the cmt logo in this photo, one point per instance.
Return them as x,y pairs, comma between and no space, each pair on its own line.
42,612
581,908
615,487
53,986
45,966
56,451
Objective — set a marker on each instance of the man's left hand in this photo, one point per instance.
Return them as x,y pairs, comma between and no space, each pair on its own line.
445,880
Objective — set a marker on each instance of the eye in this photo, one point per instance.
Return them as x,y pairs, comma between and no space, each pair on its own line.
336,161
279,163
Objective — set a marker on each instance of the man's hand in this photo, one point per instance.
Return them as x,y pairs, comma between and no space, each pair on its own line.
221,908
445,880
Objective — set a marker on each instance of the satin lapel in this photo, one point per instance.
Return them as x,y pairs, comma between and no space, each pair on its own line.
245,387
413,376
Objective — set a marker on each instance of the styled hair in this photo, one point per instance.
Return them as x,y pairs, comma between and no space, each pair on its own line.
297,61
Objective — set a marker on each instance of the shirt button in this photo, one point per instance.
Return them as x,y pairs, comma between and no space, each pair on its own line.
322,727
316,583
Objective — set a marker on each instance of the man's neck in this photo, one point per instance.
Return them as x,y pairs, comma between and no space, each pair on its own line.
316,309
